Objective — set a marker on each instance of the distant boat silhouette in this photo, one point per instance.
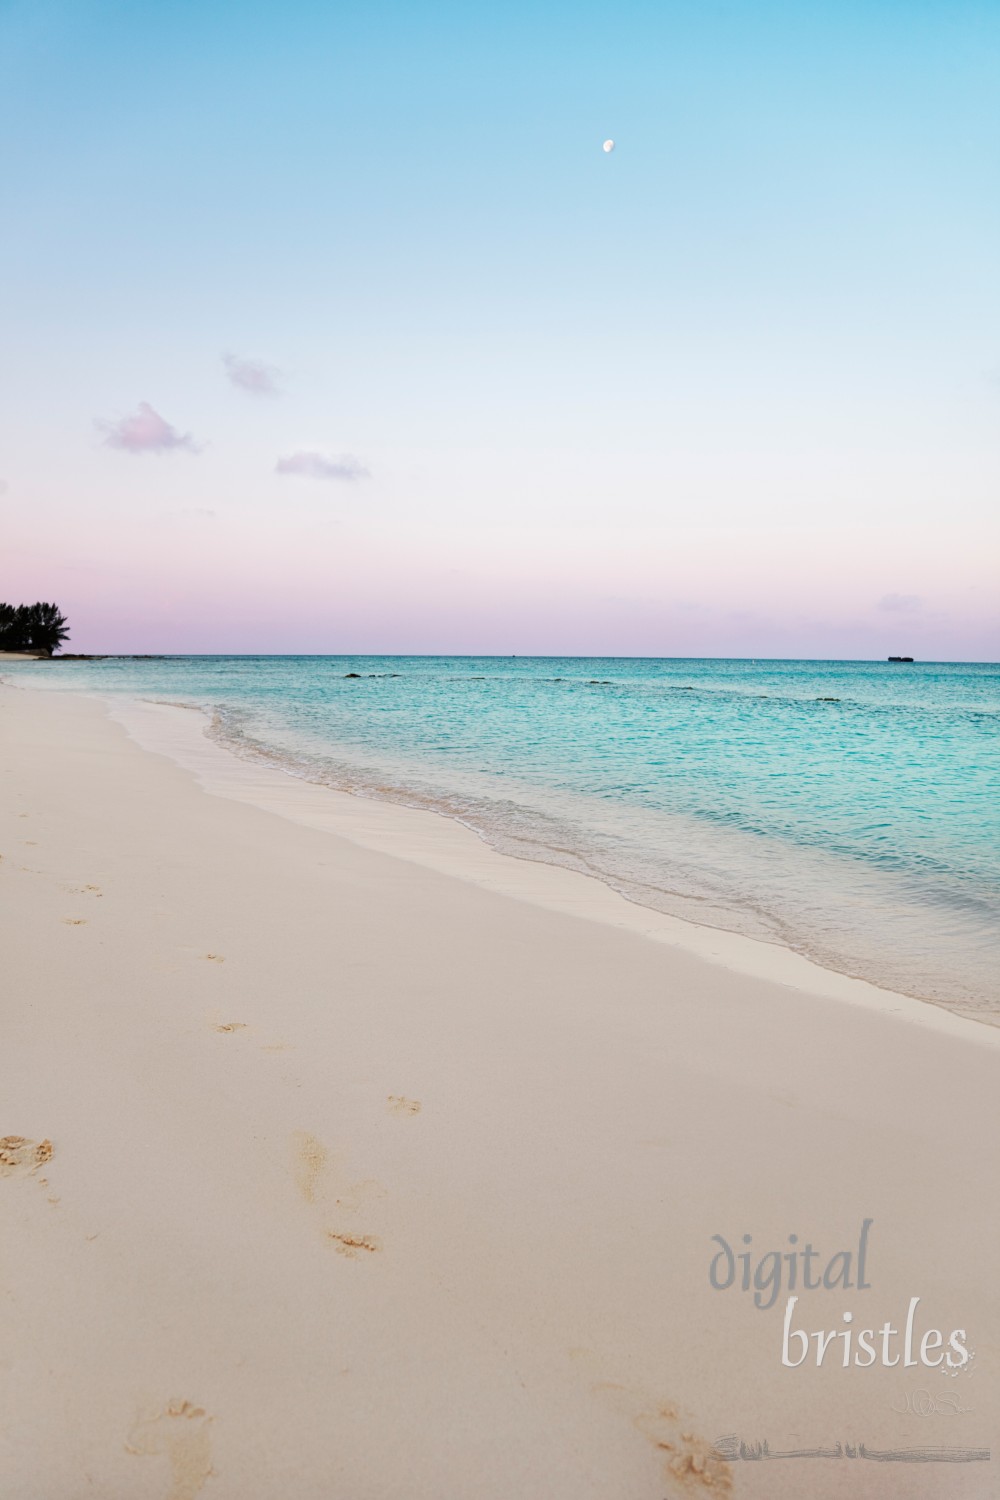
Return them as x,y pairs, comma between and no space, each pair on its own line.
900,658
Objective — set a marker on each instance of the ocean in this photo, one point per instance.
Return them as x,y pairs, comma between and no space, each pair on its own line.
848,810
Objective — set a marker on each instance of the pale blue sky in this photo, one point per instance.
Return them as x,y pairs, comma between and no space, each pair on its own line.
726,390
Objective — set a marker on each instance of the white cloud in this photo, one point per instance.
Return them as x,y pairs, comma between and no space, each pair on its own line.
252,375
318,466
146,432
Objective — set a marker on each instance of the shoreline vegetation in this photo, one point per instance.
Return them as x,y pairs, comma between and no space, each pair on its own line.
32,629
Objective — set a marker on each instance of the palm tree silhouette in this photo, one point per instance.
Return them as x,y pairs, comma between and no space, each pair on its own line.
32,627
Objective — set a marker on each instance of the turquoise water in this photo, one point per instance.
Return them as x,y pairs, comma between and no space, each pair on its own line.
847,810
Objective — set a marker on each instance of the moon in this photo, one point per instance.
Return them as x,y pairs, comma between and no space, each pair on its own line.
609,146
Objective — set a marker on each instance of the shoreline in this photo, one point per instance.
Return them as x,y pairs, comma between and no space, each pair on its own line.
183,732
761,904
394,827
344,1175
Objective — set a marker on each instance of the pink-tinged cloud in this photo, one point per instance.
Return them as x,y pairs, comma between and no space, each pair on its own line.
318,466
146,432
252,375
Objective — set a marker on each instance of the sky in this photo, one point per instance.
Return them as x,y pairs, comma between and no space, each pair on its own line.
331,327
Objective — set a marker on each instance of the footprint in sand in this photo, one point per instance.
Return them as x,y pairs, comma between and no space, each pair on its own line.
213,958
180,1433
230,1026
20,1157
354,1246
310,1159
399,1105
75,921
692,1465
317,1179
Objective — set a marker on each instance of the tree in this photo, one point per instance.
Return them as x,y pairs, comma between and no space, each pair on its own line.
47,627
32,627
8,620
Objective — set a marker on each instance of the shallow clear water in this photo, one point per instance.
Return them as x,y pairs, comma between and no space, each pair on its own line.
848,810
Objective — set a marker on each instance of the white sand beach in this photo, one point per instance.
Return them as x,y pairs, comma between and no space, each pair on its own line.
346,1158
